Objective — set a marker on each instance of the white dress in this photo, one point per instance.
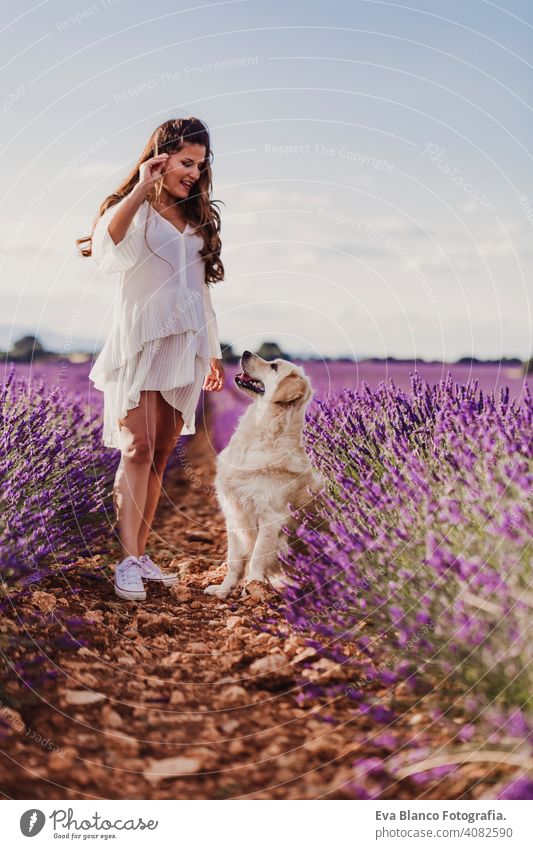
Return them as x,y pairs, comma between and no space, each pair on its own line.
164,330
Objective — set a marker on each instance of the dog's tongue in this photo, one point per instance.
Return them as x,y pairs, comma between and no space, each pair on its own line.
245,377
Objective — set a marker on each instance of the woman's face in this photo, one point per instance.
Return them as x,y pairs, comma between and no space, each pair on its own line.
182,170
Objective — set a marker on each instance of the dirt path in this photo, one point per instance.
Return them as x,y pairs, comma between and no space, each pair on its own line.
184,696
180,696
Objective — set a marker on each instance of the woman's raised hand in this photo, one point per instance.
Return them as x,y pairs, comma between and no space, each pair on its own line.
151,170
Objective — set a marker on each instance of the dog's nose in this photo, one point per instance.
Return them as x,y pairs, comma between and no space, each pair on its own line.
246,354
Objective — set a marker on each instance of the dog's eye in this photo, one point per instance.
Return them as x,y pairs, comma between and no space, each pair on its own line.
274,366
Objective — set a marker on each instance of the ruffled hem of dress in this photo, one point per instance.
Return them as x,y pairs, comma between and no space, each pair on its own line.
171,365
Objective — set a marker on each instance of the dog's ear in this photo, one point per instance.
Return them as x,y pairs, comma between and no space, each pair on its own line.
291,388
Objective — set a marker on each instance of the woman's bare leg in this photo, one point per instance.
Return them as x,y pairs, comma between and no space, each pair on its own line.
137,437
169,424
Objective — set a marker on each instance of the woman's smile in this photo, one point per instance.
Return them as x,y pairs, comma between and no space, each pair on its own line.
183,169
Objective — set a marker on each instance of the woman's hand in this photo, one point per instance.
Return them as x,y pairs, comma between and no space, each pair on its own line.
214,381
152,170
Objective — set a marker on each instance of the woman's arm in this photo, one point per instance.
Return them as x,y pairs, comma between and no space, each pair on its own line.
212,327
214,381
117,241
123,217
149,172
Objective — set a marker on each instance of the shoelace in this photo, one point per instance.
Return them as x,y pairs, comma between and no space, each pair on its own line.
152,570
129,577
147,564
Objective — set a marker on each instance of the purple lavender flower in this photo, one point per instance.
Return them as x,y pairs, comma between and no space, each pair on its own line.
422,554
55,497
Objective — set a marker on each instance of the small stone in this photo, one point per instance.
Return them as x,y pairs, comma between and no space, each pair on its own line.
199,536
271,671
233,642
229,726
304,654
177,698
83,697
110,718
151,624
271,663
234,695
126,660
251,600
234,622
44,601
182,567
83,651
170,767
123,743
323,670
95,615
142,650
87,679
198,648
173,659
258,590
181,593
236,747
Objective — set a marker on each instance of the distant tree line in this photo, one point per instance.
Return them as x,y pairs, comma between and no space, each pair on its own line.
29,348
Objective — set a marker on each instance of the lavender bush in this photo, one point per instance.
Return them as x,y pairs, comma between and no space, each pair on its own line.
421,558
55,498
329,377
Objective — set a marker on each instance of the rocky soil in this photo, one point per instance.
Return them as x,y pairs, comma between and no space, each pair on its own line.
185,696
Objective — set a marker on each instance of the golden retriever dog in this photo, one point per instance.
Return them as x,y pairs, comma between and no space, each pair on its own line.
263,470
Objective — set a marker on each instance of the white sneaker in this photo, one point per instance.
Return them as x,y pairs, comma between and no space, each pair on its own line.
128,581
151,572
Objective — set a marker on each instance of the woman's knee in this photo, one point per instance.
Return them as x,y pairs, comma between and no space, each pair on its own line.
138,448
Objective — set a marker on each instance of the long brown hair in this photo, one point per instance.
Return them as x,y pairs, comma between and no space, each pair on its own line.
200,210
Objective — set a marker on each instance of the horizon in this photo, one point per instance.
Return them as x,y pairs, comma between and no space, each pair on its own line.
359,358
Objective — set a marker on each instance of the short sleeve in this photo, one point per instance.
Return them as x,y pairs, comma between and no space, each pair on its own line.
215,350
109,257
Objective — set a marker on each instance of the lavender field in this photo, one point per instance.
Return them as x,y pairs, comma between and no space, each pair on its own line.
412,585
418,578
328,378
55,474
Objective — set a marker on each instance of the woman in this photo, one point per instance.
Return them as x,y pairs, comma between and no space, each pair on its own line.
160,230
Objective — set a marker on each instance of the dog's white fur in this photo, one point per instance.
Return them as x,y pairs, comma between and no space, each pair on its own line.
263,470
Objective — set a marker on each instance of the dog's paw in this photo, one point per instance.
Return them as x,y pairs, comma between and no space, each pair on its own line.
216,590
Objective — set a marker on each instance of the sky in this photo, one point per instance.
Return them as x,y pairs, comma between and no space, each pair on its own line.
374,160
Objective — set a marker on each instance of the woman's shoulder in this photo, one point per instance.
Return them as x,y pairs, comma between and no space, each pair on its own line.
122,256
